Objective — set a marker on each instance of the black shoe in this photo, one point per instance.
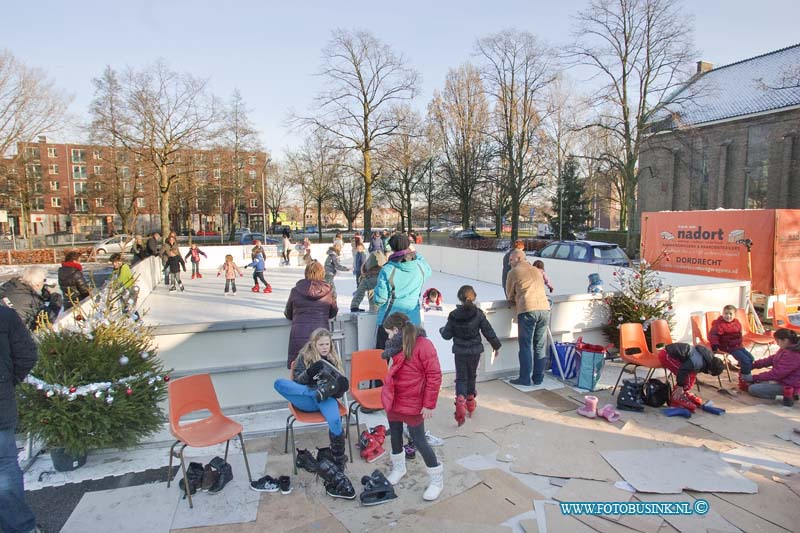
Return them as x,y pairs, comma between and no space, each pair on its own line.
336,483
338,454
209,478
285,484
325,387
265,484
194,475
377,489
306,461
225,473
519,382
356,310
324,453
410,449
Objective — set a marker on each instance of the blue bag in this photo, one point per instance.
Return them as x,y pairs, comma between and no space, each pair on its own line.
565,351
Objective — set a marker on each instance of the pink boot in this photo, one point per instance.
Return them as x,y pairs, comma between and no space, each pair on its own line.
589,409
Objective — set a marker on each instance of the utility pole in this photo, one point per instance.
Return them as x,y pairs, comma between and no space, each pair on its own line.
263,194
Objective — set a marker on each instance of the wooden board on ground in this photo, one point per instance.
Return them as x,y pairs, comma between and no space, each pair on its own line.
585,490
498,497
554,400
416,523
557,521
741,518
711,521
670,470
774,501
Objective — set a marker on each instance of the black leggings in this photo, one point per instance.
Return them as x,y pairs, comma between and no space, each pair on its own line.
259,275
417,436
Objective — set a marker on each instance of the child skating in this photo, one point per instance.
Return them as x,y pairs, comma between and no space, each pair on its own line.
432,299
230,270
465,325
174,264
409,396
287,247
195,253
258,274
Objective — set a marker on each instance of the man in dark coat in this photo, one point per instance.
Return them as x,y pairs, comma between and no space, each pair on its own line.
70,279
17,357
311,305
29,297
154,245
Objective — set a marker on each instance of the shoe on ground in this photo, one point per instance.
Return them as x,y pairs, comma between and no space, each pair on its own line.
225,473
267,289
433,440
209,478
519,382
265,484
398,468
305,460
435,483
356,310
285,484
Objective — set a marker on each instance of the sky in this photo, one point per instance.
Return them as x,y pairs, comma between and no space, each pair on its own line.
271,50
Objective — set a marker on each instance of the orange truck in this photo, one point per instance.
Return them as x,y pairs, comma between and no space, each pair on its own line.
716,243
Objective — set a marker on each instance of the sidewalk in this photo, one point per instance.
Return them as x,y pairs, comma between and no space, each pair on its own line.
504,470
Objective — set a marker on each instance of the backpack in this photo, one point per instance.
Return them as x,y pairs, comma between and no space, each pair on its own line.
655,393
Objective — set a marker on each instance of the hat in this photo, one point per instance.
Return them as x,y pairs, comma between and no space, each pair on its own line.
399,242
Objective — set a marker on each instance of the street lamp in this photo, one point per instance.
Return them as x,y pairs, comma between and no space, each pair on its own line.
263,194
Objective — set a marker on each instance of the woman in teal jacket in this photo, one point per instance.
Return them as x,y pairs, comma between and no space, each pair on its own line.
400,284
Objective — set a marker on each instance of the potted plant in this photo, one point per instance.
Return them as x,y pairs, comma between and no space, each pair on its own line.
97,383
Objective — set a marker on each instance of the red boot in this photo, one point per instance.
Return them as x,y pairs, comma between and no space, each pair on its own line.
743,385
256,288
199,275
379,432
472,404
461,410
698,401
194,276
371,449
682,401
268,289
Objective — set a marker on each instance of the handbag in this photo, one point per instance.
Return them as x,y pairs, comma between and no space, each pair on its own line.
567,356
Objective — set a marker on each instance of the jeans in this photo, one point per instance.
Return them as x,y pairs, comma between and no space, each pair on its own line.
259,276
768,390
230,283
365,286
15,514
745,360
305,399
532,326
466,371
417,434
195,268
175,279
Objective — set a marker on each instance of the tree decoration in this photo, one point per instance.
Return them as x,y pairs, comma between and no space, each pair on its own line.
641,296
84,380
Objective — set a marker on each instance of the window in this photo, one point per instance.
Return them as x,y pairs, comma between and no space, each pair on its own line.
79,156
55,185
216,158
548,251
757,168
98,170
53,169
37,204
580,253
38,188
140,173
252,174
563,251
79,172
55,201
125,172
253,189
97,154
99,186
80,187
34,171
251,160
32,152
698,184
98,202
140,202
217,173
80,205
139,186
52,152
122,157
253,202
126,185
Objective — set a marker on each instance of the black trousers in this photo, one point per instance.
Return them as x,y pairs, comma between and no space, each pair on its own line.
466,372
259,276
382,337
417,434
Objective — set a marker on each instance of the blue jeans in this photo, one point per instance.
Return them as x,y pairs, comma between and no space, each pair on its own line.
305,399
531,327
15,514
745,360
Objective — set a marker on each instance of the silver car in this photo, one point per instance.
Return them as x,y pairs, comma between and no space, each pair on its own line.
117,243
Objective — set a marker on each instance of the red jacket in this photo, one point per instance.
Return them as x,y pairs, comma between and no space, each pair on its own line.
726,335
785,368
413,384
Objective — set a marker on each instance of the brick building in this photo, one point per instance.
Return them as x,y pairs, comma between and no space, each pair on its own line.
730,138
85,189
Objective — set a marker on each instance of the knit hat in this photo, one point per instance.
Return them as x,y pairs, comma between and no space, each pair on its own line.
399,242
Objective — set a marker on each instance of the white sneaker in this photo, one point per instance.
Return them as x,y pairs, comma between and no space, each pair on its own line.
435,483
398,468
433,440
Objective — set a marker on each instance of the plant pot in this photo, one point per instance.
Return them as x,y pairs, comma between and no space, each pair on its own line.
64,461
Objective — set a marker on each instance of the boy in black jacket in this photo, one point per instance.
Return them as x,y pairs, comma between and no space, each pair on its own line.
685,361
465,325
174,263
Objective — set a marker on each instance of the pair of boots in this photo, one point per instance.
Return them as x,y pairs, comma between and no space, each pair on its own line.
435,476
371,443
198,275
212,478
465,407
687,400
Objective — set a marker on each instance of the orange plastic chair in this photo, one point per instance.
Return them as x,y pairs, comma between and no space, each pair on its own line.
660,335
634,351
781,317
191,394
365,365
699,335
711,316
304,417
749,336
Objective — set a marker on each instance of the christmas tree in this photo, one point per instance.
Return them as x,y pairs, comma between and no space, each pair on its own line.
97,383
571,212
642,296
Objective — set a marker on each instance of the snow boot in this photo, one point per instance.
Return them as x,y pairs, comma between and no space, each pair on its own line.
630,396
461,410
225,473
194,275
398,468
199,275
268,289
472,404
371,448
377,489
209,478
682,401
306,461
256,288
379,432
743,385
336,483
194,475
697,400
435,483
338,450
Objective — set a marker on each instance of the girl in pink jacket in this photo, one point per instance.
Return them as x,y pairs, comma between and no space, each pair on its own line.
230,269
784,372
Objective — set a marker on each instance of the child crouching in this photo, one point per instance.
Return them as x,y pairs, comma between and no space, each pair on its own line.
685,361
783,378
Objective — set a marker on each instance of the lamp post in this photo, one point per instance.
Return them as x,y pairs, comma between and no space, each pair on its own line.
263,194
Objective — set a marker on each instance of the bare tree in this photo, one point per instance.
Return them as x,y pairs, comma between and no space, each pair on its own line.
317,164
158,114
459,117
278,190
30,106
640,51
516,72
363,78
348,195
406,158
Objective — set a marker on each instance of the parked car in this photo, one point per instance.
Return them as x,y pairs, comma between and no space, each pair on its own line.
586,251
248,238
207,233
466,234
116,244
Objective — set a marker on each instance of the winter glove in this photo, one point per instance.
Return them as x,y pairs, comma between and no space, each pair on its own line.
677,411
